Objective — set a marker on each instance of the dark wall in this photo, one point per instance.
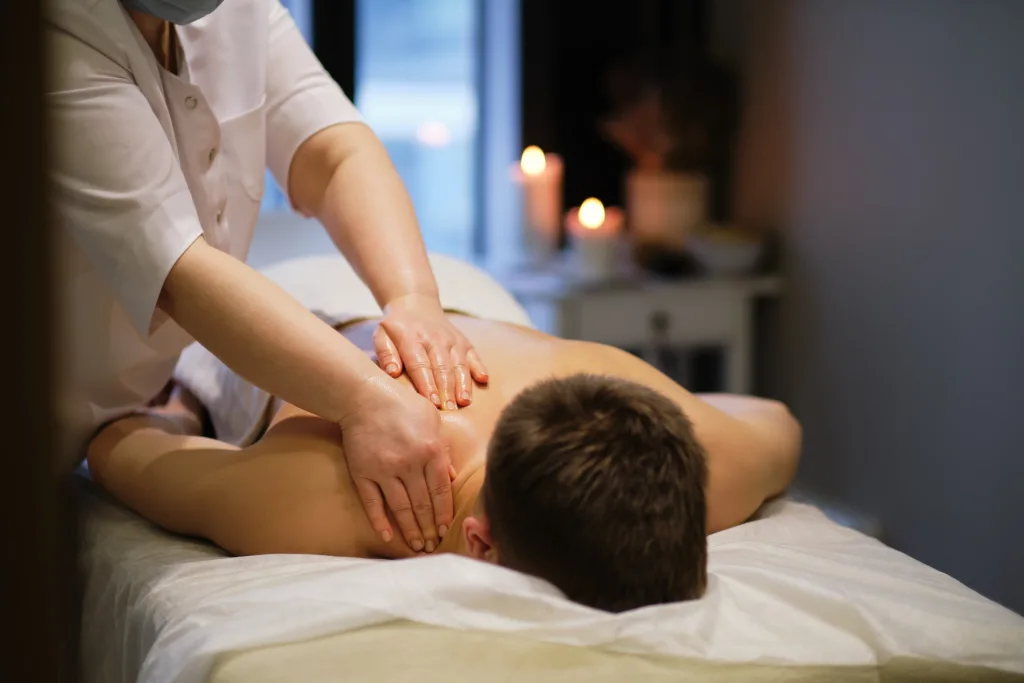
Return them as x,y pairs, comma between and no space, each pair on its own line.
568,48
334,40
898,186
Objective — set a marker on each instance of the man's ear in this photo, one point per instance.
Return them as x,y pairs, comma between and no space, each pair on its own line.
479,544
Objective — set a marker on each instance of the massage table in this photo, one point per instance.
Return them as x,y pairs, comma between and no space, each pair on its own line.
792,596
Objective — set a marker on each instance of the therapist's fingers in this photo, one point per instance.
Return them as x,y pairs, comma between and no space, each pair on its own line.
477,367
387,353
401,508
444,374
418,367
423,509
463,377
439,476
373,502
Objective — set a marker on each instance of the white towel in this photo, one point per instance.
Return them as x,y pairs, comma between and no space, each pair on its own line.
330,288
790,589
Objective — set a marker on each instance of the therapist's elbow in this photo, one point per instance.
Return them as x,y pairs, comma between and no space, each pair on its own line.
320,156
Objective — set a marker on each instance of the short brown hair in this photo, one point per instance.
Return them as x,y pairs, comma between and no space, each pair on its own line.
596,484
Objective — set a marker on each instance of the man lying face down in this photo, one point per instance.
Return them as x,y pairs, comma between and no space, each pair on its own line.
595,484
605,485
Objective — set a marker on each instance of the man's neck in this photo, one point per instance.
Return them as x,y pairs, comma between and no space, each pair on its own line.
466,490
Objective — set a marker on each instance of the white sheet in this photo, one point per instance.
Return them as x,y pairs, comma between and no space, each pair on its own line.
792,588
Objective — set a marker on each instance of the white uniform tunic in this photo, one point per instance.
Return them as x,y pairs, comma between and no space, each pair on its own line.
146,161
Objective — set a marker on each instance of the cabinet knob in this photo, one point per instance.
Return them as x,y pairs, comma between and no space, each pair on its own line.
660,322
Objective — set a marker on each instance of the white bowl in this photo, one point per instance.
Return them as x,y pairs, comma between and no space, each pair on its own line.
725,255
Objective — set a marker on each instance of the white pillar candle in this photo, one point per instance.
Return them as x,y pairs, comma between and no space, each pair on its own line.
540,178
594,232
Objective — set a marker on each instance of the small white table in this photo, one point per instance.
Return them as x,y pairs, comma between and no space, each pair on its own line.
637,311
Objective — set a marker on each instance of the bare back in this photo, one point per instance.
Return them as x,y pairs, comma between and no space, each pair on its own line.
516,358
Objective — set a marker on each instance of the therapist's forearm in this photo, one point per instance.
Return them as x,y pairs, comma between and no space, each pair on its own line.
263,334
343,176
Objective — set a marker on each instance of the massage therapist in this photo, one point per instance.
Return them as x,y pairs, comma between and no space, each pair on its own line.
166,114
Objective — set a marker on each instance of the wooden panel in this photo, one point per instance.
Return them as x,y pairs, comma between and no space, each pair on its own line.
38,567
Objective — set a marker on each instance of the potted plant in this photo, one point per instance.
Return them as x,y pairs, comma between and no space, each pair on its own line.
673,113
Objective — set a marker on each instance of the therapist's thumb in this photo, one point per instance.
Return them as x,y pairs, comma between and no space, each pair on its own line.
387,353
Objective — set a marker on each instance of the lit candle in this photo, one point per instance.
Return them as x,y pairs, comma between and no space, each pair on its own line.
594,231
540,176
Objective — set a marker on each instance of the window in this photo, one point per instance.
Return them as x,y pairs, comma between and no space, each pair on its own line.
416,85
302,12
420,66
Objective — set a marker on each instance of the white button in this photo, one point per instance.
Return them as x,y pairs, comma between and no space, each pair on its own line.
191,102
220,216
213,154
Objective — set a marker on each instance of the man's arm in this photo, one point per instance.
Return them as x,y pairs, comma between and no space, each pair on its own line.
288,493
752,444
755,464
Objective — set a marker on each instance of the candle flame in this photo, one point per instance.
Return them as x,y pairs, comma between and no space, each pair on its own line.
592,214
533,161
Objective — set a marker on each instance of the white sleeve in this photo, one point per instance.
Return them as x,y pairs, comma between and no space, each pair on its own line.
119,190
302,99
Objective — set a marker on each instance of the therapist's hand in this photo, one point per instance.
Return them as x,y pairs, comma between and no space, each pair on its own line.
416,335
396,455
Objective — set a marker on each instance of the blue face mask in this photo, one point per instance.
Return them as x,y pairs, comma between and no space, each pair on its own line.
174,11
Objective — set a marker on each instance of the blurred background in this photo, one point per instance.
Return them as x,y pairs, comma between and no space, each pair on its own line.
413,70
822,203
875,149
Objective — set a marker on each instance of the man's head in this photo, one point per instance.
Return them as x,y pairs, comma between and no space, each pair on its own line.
596,484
